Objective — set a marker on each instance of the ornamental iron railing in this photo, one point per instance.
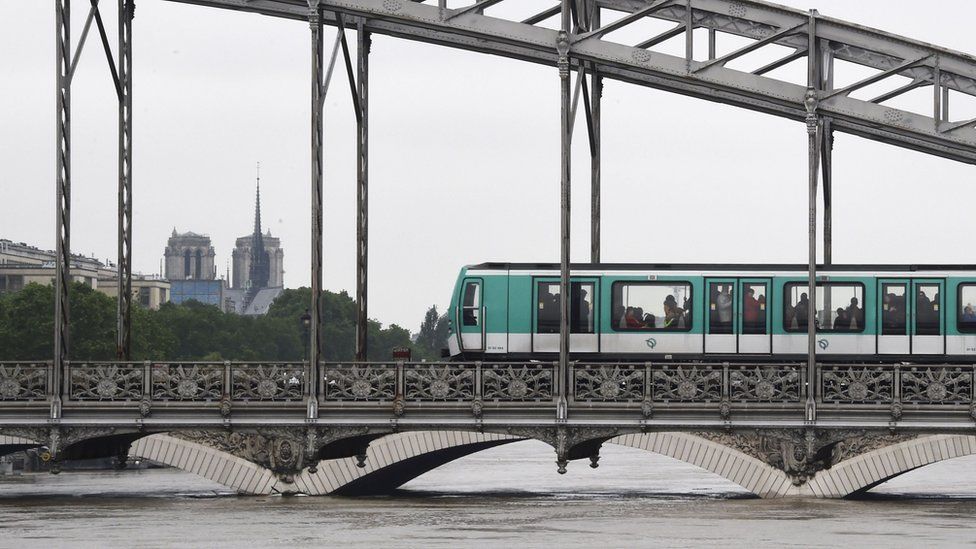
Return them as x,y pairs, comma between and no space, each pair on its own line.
486,385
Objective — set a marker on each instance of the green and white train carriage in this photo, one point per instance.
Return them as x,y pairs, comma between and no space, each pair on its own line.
689,312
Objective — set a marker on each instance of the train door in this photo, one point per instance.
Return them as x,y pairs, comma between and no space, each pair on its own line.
472,316
584,305
928,317
894,311
722,318
755,336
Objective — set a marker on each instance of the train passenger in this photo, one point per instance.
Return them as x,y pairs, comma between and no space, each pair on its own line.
893,316
620,313
842,322
968,313
855,315
927,316
650,321
789,316
673,315
579,315
723,302
630,319
750,308
800,312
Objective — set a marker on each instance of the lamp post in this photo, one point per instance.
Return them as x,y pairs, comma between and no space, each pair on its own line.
306,320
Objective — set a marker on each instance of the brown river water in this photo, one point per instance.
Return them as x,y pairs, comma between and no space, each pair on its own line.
508,496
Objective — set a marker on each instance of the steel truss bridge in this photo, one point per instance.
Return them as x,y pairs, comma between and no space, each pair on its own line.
816,429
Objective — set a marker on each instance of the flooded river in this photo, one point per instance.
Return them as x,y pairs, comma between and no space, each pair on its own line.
509,496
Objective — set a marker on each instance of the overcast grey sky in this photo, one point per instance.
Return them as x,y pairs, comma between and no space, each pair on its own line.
464,156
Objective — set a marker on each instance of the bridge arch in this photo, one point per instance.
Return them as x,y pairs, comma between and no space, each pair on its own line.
11,444
752,474
390,462
848,477
863,472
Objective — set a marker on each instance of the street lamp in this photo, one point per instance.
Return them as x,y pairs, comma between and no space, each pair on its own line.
306,320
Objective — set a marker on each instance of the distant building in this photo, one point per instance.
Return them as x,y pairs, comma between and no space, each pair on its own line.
189,267
258,269
189,256
21,264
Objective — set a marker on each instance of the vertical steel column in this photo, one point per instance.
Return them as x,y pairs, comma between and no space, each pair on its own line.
689,35
813,142
826,156
124,284
562,47
362,188
937,93
315,330
595,99
62,265
826,80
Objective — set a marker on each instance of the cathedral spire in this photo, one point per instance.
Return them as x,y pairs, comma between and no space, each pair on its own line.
257,204
259,270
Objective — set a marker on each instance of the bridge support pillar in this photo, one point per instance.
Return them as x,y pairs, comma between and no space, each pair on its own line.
596,95
315,328
362,189
813,144
62,264
562,47
126,11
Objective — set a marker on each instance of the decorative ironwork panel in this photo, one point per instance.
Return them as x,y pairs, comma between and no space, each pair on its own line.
687,383
439,382
362,382
516,382
857,384
608,382
937,384
23,381
106,382
187,381
267,382
764,383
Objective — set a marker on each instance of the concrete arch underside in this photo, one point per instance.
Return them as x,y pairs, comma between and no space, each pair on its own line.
11,444
851,476
395,459
390,462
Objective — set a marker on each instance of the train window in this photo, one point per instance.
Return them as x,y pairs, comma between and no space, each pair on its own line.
894,318
720,295
651,306
754,308
839,307
927,309
967,308
580,313
471,307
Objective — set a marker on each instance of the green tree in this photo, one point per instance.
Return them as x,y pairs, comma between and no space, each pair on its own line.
433,334
189,331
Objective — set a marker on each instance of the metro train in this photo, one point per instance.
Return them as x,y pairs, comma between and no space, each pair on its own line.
864,313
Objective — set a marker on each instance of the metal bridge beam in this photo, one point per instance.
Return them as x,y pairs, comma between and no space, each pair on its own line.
814,127
562,46
747,18
362,194
314,14
126,10
596,94
62,265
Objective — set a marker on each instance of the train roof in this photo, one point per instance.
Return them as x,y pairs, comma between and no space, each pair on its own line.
746,267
